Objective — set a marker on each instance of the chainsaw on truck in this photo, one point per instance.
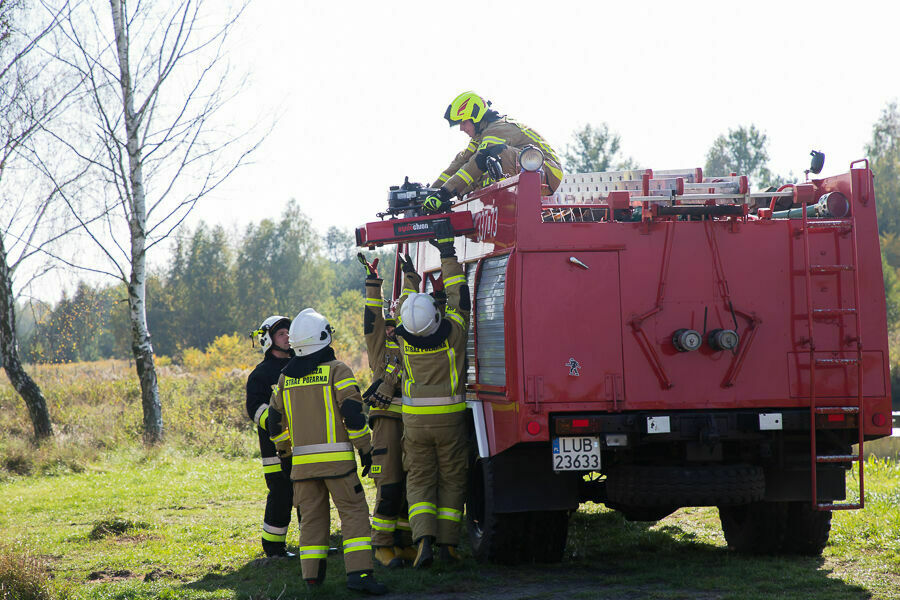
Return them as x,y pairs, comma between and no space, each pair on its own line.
406,221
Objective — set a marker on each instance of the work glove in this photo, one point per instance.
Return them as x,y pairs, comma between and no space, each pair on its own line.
493,151
368,395
365,460
370,267
443,241
437,202
381,400
406,264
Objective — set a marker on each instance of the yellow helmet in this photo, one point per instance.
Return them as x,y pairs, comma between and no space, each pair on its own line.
466,106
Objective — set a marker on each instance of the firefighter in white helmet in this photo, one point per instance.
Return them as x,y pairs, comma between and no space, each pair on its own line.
316,416
435,451
273,337
391,534
492,134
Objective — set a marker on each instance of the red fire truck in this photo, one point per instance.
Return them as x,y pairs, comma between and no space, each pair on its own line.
658,339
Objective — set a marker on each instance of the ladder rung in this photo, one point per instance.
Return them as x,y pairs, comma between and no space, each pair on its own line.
834,506
837,458
837,410
826,226
823,269
827,313
836,362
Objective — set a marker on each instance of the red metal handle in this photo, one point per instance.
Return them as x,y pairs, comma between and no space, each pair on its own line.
775,198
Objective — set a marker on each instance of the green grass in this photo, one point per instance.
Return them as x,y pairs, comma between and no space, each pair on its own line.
169,524
94,515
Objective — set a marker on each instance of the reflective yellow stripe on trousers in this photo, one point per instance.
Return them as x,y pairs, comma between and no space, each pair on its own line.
318,453
434,406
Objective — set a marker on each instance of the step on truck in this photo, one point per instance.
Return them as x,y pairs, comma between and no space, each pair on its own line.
652,340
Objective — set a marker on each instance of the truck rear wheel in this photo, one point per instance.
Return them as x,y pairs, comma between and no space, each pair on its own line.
757,528
807,529
510,538
706,485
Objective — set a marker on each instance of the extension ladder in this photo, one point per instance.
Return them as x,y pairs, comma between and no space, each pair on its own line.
816,313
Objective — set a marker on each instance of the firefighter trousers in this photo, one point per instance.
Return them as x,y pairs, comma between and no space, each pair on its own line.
390,524
279,500
311,497
436,461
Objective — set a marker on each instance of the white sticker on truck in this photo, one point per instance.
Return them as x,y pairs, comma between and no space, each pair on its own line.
658,425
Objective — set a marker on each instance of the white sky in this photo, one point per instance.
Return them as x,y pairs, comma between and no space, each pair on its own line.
362,87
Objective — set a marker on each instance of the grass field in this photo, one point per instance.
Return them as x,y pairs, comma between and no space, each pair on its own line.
104,518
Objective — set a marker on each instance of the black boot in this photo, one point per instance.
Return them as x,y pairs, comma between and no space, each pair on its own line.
364,581
424,554
276,550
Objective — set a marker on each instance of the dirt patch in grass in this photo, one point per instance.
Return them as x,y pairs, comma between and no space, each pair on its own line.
107,575
117,527
159,574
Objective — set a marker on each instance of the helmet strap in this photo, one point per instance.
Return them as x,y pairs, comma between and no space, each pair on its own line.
287,351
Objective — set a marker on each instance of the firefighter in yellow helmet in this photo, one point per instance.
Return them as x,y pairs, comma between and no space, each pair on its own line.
391,534
492,134
316,417
435,452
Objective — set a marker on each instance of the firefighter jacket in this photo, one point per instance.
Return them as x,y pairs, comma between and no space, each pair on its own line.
384,354
321,420
435,366
463,174
259,388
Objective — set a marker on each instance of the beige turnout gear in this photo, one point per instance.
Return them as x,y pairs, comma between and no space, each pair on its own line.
317,432
434,404
463,174
390,514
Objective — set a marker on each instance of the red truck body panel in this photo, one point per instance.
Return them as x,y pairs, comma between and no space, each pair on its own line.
608,296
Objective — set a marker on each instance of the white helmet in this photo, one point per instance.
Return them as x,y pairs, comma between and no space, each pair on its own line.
264,333
310,332
420,315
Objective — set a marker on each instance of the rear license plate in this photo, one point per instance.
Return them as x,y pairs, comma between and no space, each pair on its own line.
580,453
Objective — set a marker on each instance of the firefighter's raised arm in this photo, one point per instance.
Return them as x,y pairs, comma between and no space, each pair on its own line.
411,280
459,304
373,316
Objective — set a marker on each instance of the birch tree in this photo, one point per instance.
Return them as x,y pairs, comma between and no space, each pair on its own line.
157,77
30,219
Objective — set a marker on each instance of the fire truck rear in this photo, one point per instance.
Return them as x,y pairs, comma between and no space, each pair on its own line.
658,339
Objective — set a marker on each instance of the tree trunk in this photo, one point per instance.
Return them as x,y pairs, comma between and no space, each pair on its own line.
137,222
9,353
143,356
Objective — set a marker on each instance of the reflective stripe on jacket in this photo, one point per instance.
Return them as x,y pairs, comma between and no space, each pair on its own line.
384,354
320,440
434,378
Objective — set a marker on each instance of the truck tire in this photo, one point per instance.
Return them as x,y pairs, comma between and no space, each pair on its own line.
807,530
501,538
707,485
757,528
549,529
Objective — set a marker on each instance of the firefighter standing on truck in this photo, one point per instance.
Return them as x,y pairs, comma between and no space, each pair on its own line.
435,451
273,337
316,417
494,135
391,535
